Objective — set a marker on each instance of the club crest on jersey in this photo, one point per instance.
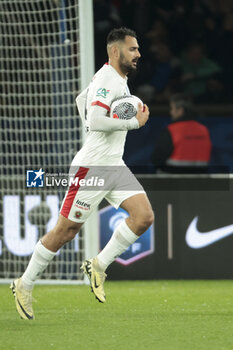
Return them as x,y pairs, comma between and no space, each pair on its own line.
102,92
78,214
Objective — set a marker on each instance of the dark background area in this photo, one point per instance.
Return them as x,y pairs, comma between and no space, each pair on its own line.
186,46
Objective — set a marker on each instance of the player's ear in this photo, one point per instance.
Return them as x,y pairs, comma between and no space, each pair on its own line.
116,51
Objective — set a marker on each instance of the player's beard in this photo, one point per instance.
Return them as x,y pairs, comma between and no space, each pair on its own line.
126,66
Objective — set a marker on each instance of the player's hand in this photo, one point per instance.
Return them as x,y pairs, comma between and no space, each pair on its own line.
142,115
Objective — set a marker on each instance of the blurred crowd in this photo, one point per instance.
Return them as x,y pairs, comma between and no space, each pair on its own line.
185,46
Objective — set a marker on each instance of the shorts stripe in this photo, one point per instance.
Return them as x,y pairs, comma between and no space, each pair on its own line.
68,202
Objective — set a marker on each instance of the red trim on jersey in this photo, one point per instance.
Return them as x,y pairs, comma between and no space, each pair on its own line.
68,202
107,63
100,104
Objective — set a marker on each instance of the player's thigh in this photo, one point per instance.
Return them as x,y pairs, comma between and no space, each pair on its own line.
129,194
138,206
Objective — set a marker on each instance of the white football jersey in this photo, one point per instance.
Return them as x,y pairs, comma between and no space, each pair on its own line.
101,148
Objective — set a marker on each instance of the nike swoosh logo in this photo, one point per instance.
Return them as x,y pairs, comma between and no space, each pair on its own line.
24,311
96,286
196,239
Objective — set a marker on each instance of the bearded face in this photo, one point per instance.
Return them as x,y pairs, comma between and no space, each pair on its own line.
127,66
129,55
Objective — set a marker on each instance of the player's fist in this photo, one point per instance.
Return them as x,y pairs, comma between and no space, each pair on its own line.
142,114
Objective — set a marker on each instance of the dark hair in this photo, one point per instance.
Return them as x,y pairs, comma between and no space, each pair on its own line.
119,34
184,101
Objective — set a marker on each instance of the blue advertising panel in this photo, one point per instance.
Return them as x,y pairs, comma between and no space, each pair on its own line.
110,218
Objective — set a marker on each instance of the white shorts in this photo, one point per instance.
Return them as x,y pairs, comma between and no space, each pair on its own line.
115,184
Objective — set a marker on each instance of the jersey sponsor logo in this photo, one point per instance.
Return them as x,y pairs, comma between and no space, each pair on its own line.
82,205
102,92
196,239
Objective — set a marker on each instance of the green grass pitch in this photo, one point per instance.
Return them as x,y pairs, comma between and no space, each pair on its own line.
160,315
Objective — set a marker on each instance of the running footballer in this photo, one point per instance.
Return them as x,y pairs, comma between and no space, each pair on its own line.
102,149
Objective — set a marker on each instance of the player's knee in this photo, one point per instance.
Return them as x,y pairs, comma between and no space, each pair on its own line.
150,218
66,235
144,219
147,218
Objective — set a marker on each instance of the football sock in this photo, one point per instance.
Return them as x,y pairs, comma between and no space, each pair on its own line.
121,239
40,259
